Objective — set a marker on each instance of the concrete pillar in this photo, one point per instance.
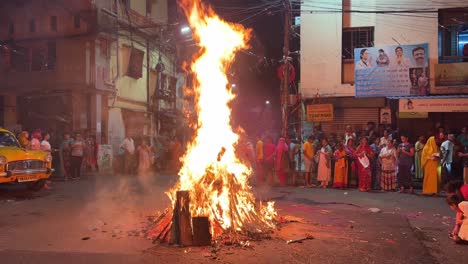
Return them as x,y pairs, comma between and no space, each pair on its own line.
10,114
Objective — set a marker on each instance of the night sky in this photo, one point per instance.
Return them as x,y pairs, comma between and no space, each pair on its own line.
254,71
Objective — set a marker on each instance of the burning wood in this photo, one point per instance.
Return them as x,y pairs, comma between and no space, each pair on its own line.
215,180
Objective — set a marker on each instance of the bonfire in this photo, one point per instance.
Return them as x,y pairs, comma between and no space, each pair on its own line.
213,182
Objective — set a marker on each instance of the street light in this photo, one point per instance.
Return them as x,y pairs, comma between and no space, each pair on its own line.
233,85
185,30
267,102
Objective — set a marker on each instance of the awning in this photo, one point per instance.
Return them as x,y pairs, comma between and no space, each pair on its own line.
429,96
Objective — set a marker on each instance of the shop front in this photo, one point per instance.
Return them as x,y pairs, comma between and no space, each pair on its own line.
423,115
356,112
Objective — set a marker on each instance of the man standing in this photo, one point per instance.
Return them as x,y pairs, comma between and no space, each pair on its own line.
78,148
308,150
128,147
447,158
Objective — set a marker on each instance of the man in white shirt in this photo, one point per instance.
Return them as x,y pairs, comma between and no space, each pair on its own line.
447,157
128,147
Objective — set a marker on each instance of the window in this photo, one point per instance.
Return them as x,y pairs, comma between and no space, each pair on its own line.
32,25
53,23
20,61
11,28
51,54
77,21
356,37
38,61
453,34
104,47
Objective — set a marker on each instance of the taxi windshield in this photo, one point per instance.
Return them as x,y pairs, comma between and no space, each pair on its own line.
8,140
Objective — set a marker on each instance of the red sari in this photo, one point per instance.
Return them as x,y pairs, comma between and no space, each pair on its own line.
364,172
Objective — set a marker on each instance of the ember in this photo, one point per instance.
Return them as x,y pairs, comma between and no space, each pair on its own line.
215,178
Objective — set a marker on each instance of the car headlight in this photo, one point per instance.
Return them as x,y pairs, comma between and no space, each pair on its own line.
3,160
48,157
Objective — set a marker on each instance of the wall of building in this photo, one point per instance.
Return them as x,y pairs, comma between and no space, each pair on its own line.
41,12
72,69
321,38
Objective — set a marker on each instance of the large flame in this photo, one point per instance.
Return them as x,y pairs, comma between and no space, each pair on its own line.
215,177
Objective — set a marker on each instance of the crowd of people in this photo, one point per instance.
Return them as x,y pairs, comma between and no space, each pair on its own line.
141,157
369,160
384,160
75,153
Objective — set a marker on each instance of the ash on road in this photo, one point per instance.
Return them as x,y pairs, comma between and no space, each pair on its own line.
99,220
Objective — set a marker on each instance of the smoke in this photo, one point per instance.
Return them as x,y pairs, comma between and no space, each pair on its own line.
119,205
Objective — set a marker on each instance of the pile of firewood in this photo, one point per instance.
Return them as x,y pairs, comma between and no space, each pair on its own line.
177,226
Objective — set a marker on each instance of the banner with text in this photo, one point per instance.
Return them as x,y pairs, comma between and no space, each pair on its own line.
391,70
434,105
319,112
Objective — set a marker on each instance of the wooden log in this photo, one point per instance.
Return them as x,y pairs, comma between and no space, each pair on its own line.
184,218
175,237
201,231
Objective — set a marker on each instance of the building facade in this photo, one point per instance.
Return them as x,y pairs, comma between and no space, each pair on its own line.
332,30
88,66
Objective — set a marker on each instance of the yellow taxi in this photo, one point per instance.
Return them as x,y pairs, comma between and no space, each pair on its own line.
19,165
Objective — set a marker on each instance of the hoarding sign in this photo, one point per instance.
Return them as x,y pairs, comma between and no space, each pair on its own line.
434,105
411,115
391,70
451,78
319,112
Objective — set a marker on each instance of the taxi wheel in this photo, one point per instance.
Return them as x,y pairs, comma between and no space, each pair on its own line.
37,185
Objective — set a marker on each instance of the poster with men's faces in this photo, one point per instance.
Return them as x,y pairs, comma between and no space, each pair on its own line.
391,70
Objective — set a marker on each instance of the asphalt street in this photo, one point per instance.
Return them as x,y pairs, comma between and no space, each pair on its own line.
99,219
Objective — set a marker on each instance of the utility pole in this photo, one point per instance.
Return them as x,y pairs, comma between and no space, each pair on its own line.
285,84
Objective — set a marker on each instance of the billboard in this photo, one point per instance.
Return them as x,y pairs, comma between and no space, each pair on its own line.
391,70
433,105
451,78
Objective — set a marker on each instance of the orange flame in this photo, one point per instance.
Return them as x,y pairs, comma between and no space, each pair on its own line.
215,177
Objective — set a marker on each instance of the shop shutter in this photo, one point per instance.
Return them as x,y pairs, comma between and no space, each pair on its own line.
356,117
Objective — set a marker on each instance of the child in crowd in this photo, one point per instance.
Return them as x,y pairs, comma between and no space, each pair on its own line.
457,194
460,231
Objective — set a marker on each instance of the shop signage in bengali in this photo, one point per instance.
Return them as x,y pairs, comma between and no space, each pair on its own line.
434,105
319,112
391,70
452,76
410,115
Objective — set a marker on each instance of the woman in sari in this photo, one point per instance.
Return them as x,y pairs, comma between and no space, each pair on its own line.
364,154
418,147
351,162
405,162
324,164
282,161
341,168
430,162
144,154
388,159
269,150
